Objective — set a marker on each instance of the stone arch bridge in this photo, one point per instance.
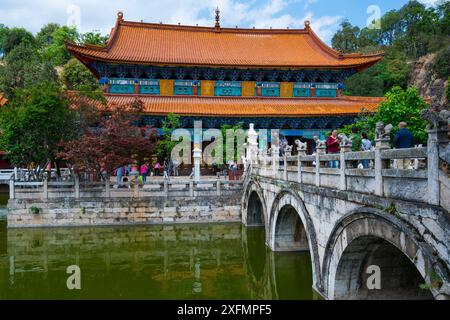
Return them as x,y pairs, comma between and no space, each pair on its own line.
353,220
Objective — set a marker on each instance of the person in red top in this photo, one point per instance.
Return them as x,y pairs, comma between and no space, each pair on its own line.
333,147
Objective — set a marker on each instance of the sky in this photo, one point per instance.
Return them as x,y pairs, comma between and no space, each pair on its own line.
100,15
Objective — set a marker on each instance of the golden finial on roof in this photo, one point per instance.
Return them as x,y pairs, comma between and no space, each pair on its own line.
217,18
120,15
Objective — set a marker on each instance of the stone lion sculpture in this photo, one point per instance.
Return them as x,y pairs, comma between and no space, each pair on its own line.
345,141
319,143
301,146
383,132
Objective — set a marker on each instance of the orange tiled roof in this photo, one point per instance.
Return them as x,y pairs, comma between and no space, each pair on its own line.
3,100
160,44
248,107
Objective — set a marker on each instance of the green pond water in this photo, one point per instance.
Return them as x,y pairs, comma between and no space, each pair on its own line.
208,261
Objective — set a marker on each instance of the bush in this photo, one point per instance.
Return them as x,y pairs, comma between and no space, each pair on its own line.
442,65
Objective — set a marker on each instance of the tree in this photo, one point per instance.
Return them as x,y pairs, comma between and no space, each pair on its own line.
44,37
165,144
34,123
116,141
400,105
346,39
56,52
94,38
11,38
76,76
23,68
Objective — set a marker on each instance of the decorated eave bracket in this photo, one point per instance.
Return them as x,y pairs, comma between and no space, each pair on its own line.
106,71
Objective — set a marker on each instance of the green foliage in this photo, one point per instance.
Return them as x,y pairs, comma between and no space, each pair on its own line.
94,38
346,39
442,63
435,282
11,38
24,68
400,105
405,35
224,129
76,76
44,37
56,51
34,210
165,144
447,90
34,123
376,81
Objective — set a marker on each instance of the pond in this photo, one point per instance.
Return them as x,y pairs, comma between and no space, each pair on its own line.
208,261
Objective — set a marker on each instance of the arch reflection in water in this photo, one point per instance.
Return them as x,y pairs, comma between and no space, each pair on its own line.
222,261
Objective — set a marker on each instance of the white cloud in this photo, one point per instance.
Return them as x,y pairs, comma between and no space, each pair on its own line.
430,2
100,14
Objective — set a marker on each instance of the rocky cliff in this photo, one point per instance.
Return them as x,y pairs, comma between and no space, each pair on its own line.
427,82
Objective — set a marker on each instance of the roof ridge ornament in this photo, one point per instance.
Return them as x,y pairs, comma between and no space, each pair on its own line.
217,19
307,24
120,16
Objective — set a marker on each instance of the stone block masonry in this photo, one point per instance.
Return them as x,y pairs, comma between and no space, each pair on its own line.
61,212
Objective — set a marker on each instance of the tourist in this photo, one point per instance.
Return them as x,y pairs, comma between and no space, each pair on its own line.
157,168
366,145
166,168
403,139
144,172
333,147
356,143
120,172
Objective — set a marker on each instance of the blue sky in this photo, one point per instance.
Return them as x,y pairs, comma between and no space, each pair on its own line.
99,15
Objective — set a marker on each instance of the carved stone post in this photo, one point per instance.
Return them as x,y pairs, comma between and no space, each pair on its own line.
285,174
77,187
437,138
45,189
319,151
342,179
437,141
252,145
218,187
380,145
197,157
107,188
12,192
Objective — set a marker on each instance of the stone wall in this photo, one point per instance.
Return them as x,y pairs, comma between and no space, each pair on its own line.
101,211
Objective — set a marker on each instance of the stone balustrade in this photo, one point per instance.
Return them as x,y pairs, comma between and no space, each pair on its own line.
157,188
408,174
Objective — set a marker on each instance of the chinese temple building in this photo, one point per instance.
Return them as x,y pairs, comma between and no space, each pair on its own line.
278,79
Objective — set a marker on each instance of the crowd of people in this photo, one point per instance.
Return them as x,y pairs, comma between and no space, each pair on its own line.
140,173
403,139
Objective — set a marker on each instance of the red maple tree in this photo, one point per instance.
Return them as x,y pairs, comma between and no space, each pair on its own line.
116,141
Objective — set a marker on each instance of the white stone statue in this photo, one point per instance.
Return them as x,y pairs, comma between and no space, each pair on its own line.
383,132
301,146
345,141
320,144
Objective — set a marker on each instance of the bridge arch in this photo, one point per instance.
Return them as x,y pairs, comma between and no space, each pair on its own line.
254,209
370,237
291,229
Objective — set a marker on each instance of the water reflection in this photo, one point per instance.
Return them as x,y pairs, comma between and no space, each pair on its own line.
219,261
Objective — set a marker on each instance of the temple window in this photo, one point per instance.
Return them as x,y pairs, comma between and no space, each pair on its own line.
186,87
228,88
122,86
149,87
302,89
326,90
269,89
